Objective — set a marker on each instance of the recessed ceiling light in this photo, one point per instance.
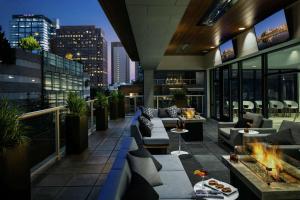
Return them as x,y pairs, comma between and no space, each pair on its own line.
10,77
212,47
33,80
242,28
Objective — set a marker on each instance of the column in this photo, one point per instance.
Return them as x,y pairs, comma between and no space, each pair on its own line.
148,87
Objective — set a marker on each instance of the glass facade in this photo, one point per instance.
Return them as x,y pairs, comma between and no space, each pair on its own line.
38,26
267,83
61,76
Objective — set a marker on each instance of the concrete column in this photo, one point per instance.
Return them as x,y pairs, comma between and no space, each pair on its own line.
148,87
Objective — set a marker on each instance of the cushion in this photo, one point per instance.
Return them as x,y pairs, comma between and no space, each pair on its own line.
139,188
176,185
283,137
162,112
169,162
257,119
148,111
225,132
146,168
144,153
172,111
159,136
295,129
244,123
146,116
145,126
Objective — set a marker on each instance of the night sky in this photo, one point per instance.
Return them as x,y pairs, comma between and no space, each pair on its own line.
69,12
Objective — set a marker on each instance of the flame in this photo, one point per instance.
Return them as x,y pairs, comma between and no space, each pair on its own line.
189,113
269,157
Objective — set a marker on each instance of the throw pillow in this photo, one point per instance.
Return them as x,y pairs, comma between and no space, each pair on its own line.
172,111
139,189
146,116
163,113
148,111
144,153
146,168
282,137
244,123
145,126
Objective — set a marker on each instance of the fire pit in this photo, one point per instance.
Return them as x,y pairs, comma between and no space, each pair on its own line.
263,173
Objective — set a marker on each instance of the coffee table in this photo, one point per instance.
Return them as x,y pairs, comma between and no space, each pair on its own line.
233,196
195,127
179,132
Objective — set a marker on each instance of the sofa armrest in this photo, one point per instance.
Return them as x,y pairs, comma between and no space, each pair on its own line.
226,124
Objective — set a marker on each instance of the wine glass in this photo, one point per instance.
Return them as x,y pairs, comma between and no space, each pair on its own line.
202,173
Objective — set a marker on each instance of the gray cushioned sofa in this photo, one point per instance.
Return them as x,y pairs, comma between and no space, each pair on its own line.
159,138
231,136
172,170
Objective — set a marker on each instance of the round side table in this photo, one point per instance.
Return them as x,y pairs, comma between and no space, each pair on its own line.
179,151
233,196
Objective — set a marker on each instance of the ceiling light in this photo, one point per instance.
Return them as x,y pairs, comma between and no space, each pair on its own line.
242,28
212,47
10,77
33,80
254,66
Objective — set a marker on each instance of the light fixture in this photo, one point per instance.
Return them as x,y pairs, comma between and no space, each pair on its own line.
10,77
33,80
212,47
254,66
241,28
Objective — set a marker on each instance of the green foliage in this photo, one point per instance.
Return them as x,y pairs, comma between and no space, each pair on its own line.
7,54
12,132
76,105
114,96
179,94
121,96
29,43
101,100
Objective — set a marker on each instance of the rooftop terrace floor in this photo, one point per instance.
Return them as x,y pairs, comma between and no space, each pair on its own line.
81,176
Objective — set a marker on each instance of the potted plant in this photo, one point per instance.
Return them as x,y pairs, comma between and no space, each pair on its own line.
113,106
121,104
14,161
76,125
101,112
179,98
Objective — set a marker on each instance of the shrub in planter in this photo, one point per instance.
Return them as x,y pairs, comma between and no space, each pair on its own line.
76,125
101,112
14,161
121,105
113,106
179,98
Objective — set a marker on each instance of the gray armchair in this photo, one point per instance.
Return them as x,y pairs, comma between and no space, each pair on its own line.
231,136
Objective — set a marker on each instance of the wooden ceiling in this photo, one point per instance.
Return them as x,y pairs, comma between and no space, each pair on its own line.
198,39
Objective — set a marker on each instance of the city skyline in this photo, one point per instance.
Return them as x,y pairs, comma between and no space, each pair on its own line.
85,14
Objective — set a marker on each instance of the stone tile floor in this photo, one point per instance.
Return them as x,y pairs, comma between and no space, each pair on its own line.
81,176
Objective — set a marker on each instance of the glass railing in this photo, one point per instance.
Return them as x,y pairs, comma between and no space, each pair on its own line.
46,130
132,103
175,81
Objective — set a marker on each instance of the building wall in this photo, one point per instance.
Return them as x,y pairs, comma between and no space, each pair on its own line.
120,64
87,45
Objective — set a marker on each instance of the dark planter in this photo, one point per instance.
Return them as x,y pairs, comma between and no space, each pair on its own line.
101,118
113,110
76,134
121,108
15,173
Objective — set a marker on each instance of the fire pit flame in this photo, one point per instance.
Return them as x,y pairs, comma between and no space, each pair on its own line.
269,157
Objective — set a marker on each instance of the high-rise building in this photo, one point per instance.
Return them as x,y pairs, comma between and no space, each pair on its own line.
38,26
120,64
88,45
139,73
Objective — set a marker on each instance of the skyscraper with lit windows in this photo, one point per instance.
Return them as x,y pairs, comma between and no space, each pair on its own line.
88,45
38,26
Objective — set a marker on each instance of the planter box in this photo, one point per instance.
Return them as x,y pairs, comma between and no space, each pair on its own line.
15,173
113,110
101,118
76,134
121,108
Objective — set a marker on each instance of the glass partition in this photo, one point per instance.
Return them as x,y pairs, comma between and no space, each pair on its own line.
234,91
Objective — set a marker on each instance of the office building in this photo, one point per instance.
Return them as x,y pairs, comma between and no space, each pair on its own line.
36,81
85,44
120,64
38,26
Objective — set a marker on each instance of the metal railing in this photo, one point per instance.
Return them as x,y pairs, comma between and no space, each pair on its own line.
162,101
175,81
54,118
